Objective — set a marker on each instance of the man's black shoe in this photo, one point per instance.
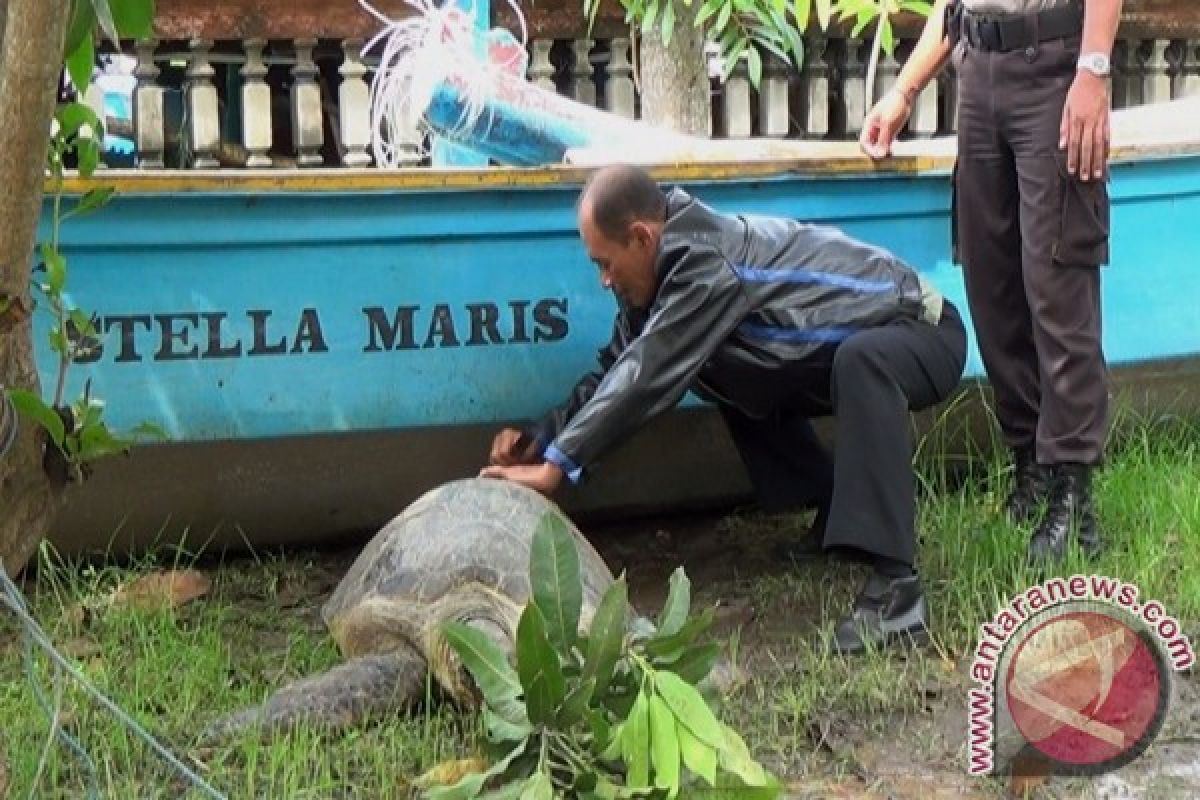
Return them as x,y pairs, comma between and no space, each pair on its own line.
1031,484
1069,511
886,611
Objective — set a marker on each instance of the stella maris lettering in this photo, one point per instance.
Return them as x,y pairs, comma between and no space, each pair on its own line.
201,335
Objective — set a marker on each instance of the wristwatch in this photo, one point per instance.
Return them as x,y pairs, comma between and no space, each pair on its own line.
1095,63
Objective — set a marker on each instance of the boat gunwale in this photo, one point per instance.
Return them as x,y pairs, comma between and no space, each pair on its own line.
336,179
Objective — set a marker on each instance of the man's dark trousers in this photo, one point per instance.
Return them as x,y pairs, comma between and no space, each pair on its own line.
866,493
1031,239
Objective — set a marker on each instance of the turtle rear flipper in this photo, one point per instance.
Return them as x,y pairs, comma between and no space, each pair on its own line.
347,695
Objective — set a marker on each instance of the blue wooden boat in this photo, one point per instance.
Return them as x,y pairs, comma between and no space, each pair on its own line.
322,346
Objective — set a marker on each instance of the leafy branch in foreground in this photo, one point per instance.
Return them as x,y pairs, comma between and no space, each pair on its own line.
611,713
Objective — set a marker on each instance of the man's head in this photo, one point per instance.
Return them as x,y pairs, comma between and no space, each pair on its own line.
621,216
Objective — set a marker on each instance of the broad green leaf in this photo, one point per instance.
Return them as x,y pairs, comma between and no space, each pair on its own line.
576,703
824,12
802,11
887,39
755,65
509,791
709,8
694,664
538,787
606,634
697,756
56,269
488,665
80,25
469,786
97,441
917,7
664,745
554,576
81,325
611,750
601,730
80,62
723,16
500,729
668,22
679,603
32,406
635,743
649,15
734,757
93,200
134,18
88,151
538,668
689,707
104,16
668,648
149,430
73,116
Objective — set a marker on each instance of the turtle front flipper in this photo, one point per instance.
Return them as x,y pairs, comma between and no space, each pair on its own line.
349,694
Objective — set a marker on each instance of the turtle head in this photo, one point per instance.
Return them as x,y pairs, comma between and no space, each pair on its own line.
493,614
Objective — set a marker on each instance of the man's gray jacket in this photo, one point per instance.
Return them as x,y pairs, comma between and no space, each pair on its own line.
749,311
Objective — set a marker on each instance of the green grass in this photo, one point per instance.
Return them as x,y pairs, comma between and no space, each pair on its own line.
804,711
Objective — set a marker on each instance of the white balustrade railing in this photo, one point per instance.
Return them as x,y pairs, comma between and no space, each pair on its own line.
259,104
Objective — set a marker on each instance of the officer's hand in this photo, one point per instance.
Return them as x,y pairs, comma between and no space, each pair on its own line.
1084,132
882,124
512,447
543,478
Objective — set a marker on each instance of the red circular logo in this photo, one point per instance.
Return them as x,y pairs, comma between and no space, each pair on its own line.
1086,689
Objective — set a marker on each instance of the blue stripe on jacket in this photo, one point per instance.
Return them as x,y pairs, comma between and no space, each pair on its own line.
761,275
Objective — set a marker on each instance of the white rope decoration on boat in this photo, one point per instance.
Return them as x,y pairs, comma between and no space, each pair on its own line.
438,43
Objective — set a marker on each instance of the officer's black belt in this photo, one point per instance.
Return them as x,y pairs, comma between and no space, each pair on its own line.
1019,31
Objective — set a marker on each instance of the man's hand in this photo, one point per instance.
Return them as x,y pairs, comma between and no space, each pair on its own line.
512,447
543,478
1084,132
883,122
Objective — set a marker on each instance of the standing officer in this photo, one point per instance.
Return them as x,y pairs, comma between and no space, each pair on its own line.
1032,230
774,321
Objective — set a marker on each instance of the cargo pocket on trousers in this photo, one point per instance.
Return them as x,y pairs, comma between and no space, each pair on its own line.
1084,221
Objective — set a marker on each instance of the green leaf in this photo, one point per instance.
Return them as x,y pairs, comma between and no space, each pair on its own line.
501,729
538,787
709,8
669,648
917,7
97,441
73,116
697,756
689,707
488,665
664,745
606,634
887,39
30,405
554,576
754,62
668,23
679,603
470,785
94,199
104,16
149,430
734,757
80,25
824,12
802,12
575,704
80,63
694,664
723,17
88,152
56,269
538,667
134,18
649,14
635,743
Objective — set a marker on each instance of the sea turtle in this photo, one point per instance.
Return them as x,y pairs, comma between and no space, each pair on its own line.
459,552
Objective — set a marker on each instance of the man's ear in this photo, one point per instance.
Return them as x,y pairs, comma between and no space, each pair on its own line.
642,233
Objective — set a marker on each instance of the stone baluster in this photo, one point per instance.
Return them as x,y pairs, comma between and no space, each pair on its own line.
583,87
814,89
619,93
308,133
1158,79
854,88
1190,84
93,98
886,72
736,105
203,113
1126,81
354,106
774,115
148,109
256,106
541,70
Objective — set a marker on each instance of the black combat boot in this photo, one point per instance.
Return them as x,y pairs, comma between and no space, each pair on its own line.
1069,510
1031,484
886,611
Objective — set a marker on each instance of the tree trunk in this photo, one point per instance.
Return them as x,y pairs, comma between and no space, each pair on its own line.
30,62
674,77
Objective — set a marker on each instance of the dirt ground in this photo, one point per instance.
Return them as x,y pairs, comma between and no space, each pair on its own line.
910,755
